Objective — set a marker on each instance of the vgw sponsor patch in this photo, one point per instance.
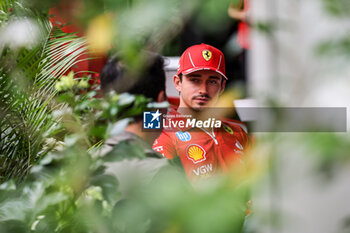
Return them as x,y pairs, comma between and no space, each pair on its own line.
203,170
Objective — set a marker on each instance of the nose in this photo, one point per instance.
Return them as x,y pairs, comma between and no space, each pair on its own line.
203,88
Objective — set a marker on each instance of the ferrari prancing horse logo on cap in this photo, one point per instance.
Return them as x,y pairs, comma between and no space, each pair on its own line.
206,54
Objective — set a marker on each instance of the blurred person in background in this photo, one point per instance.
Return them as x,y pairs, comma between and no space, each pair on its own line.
150,82
200,80
239,11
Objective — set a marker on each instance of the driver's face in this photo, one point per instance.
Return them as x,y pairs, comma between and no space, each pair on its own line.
199,89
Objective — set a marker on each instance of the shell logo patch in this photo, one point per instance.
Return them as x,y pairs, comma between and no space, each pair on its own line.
228,129
196,153
206,54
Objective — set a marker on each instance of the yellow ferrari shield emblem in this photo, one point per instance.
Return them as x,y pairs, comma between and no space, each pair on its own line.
228,129
206,54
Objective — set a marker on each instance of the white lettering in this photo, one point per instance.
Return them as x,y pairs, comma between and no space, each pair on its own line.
199,124
217,124
181,124
211,122
149,125
202,170
206,124
210,167
196,171
190,122
164,124
158,148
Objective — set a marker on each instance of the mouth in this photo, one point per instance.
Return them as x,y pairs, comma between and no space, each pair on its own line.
201,100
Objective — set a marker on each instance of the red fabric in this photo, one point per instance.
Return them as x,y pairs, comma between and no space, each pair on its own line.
64,14
243,35
174,102
202,57
203,155
244,30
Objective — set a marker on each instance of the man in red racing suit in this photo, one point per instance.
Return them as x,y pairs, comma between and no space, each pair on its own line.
203,150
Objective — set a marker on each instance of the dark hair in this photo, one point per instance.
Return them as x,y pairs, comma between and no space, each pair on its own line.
148,81
181,75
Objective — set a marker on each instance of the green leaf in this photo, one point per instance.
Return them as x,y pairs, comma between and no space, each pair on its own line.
14,226
98,131
109,185
27,79
128,149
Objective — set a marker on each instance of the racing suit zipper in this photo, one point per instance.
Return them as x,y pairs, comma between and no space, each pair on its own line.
211,135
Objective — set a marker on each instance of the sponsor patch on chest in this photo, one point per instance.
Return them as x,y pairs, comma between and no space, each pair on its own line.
203,170
195,153
228,129
183,136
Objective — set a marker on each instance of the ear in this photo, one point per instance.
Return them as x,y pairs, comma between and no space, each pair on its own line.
177,83
223,86
161,97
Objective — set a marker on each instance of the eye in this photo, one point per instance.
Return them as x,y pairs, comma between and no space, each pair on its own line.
194,80
213,81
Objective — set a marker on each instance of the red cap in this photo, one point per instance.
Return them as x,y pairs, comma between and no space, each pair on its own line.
202,57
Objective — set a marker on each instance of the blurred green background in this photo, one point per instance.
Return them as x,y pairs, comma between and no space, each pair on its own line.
51,124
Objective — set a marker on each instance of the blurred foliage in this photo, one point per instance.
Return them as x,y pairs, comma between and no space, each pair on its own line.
52,125
331,155
265,27
133,25
69,191
210,14
91,119
338,8
32,61
33,56
334,47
